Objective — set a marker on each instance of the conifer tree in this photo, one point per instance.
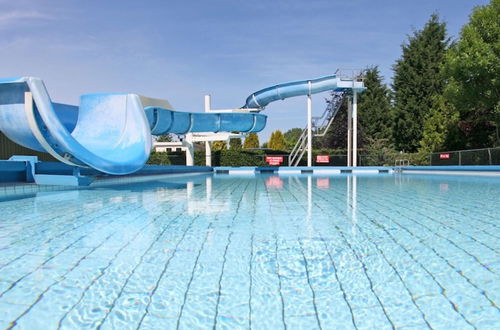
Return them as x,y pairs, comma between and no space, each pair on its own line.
277,141
417,80
251,141
235,144
375,110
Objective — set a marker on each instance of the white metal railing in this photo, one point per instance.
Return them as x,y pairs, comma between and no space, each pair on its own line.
320,125
401,162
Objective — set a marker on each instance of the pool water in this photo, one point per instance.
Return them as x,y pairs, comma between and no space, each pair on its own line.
264,252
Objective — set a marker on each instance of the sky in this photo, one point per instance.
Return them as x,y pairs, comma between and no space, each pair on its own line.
182,50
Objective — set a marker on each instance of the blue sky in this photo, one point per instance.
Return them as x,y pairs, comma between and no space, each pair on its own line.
182,50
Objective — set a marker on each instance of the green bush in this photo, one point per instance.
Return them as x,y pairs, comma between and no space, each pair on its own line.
159,158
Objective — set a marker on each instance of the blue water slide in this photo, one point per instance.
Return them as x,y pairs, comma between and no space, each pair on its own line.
108,132
263,97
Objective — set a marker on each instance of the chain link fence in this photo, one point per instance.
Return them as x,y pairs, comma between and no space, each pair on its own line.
486,156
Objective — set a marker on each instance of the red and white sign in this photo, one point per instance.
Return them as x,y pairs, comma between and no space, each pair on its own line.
274,182
444,156
274,160
323,183
322,159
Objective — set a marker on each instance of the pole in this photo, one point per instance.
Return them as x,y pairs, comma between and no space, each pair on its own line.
189,149
349,131
207,103
208,153
355,128
309,127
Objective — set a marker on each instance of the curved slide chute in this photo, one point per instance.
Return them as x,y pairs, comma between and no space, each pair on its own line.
261,98
108,132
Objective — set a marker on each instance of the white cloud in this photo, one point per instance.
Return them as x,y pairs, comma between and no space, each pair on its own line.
19,17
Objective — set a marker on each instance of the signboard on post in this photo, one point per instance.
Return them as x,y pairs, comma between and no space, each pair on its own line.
324,159
274,160
444,156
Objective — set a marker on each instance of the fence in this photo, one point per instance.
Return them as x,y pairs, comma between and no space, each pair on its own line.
486,156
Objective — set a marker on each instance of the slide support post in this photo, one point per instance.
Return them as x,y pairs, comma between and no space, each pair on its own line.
208,153
189,149
354,128
309,127
349,131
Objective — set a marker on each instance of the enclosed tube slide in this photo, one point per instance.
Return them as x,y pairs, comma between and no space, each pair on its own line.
108,132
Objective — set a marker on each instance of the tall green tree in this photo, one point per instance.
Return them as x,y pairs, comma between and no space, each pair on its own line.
473,70
440,127
375,109
235,144
277,141
291,137
417,80
251,141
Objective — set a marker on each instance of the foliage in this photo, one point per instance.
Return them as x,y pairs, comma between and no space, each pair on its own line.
277,141
417,80
164,138
291,137
439,126
219,145
159,158
336,137
251,141
235,144
378,152
375,110
240,158
473,69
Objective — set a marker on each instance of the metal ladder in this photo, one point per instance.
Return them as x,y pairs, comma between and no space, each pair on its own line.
320,126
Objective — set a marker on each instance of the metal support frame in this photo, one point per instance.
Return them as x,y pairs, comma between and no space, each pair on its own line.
354,128
309,127
349,131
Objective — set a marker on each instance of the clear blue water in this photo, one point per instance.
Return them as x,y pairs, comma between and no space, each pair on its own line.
338,252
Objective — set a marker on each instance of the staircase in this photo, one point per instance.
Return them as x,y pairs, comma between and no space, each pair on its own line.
320,126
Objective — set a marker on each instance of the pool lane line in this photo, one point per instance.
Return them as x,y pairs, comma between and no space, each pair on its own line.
225,254
250,261
383,255
277,268
445,238
110,262
94,218
442,289
344,295
155,241
455,269
167,263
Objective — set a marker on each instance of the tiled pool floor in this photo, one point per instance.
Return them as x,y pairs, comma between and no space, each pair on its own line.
353,252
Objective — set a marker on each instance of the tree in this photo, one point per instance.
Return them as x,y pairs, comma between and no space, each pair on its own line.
440,127
277,141
417,79
473,70
219,145
336,137
291,137
375,110
251,141
235,144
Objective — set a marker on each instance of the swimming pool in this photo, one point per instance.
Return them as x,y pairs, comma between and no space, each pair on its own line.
265,251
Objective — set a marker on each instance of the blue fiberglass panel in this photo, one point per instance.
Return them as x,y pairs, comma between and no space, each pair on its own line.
242,122
205,122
